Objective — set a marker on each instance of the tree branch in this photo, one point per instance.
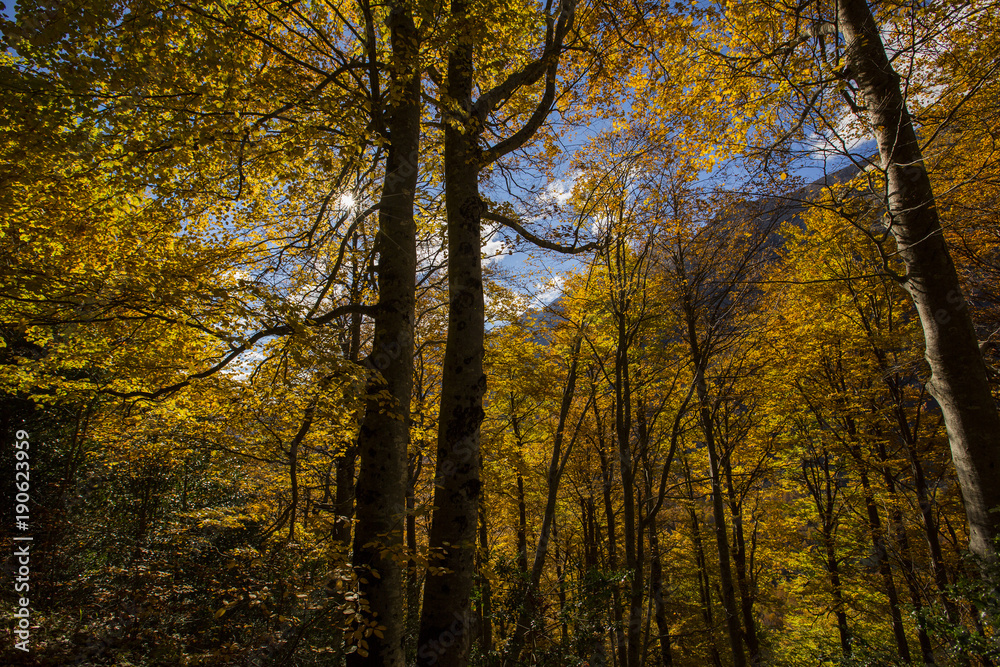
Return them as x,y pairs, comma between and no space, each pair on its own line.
278,330
538,241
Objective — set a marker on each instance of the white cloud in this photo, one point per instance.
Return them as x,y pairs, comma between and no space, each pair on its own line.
560,191
493,249
599,224
848,135
550,290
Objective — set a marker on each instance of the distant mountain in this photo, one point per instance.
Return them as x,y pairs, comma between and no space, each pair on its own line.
770,213
767,214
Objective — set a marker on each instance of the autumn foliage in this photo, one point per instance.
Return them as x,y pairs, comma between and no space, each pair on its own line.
502,333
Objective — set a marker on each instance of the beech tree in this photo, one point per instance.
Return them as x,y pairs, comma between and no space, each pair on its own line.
244,117
849,48
446,617
385,431
958,375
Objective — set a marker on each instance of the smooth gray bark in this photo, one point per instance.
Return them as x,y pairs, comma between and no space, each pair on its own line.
958,374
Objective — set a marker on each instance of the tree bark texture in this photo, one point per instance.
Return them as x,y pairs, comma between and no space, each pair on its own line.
384,433
958,374
446,617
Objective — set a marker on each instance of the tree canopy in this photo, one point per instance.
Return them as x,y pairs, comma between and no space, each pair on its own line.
500,333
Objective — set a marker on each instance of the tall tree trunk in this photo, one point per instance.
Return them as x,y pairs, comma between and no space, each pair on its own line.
913,586
589,524
839,610
656,591
607,478
486,610
446,617
560,563
522,512
931,532
623,430
636,594
293,470
591,613
958,374
882,559
743,581
522,527
824,493
384,433
718,502
344,497
346,463
704,583
909,571
556,466
412,568
704,588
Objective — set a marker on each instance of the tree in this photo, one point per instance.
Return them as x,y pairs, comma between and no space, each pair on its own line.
958,375
446,619
230,102
791,67
385,431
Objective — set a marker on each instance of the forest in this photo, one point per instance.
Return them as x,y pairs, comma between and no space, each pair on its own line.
592,333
